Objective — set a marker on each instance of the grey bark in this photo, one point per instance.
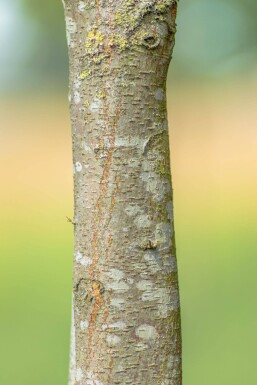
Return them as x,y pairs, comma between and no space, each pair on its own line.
126,314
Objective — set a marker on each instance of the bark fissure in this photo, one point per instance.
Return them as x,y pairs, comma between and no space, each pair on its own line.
126,314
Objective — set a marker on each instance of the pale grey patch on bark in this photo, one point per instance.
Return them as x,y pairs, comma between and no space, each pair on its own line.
71,29
117,302
159,94
82,259
84,325
78,166
146,332
79,375
133,210
154,261
118,325
142,221
113,340
163,234
81,6
77,99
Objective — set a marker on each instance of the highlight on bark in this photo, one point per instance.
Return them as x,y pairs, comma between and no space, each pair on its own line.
126,314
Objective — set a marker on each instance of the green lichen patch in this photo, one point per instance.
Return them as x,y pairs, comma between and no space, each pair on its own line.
134,25
128,21
101,95
94,47
130,16
85,73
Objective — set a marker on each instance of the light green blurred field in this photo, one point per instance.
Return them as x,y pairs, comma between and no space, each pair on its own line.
213,147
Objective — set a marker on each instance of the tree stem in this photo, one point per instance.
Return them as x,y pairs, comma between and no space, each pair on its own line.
126,313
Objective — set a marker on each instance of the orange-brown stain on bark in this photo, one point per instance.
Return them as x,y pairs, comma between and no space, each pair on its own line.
97,294
104,182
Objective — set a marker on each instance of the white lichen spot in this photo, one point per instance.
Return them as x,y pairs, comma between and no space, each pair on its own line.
170,263
165,382
71,27
159,94
119,287
169,207
81,6
154,184
163,234
115,274
117,283
112,340
76,97
140,347
146,332
117,302
87,149
94,382
152,261
92,379
118,325
77,83
84,325
142,221
170,361
95,105
83,260
79,374
144,285
129,141
134,163
163,298
130,281
120,368
78,166
132,210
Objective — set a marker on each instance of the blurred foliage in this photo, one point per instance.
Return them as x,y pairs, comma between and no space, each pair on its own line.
50,51
214,38
47,11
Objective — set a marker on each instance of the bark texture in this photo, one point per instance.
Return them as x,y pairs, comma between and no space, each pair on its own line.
126,315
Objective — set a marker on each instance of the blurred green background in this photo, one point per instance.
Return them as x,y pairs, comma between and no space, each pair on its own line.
212,89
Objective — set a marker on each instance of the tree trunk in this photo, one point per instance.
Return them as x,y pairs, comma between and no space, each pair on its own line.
126,316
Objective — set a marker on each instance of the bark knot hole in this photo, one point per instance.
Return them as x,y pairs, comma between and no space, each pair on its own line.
151,41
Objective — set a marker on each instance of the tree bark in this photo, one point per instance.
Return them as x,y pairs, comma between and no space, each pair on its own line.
126,314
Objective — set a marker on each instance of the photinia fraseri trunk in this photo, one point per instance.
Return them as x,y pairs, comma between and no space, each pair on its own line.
126,315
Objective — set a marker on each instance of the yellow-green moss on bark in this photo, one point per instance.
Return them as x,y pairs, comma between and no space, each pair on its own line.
126,31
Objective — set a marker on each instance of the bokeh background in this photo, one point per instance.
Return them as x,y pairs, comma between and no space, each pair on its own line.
212,89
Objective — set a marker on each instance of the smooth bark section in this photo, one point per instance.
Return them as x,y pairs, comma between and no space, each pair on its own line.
126,314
